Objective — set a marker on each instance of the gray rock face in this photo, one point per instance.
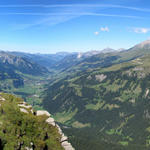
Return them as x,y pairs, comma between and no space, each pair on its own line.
2,99
25,106
51,121
27,148
59,129
64,138
147,92
67,146
24,110
42,112
100,77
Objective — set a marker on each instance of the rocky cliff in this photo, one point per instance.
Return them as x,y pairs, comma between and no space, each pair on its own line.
22,128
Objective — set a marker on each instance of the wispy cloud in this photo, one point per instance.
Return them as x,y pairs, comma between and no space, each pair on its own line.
49,21
66,12
79,5
115,15
56,18
75,14
141,30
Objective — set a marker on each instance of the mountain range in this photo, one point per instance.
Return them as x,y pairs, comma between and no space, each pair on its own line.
99,98
104,100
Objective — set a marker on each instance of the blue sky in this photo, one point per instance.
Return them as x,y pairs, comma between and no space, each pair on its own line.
49,26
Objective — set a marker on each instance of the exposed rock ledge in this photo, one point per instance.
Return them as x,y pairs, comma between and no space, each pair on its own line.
25,108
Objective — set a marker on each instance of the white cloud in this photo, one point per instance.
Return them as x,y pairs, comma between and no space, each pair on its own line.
96,33
141,30
104,29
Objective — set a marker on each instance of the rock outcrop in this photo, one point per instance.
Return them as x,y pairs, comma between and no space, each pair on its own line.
1,98
25,108
100,77
147,92
34,121
64,139
42,112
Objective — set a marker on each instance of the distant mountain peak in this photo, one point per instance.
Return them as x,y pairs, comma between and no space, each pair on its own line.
79,55
144,44
121,49
107,50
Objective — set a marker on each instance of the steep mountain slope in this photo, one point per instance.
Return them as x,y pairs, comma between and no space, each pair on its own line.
106,105
22,77
104,58
82,61
144,45
21,64
46,60
136,51
114,57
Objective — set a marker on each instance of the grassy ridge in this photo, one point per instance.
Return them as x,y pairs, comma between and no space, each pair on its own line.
19,130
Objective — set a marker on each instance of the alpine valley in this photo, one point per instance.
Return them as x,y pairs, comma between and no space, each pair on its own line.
101,99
